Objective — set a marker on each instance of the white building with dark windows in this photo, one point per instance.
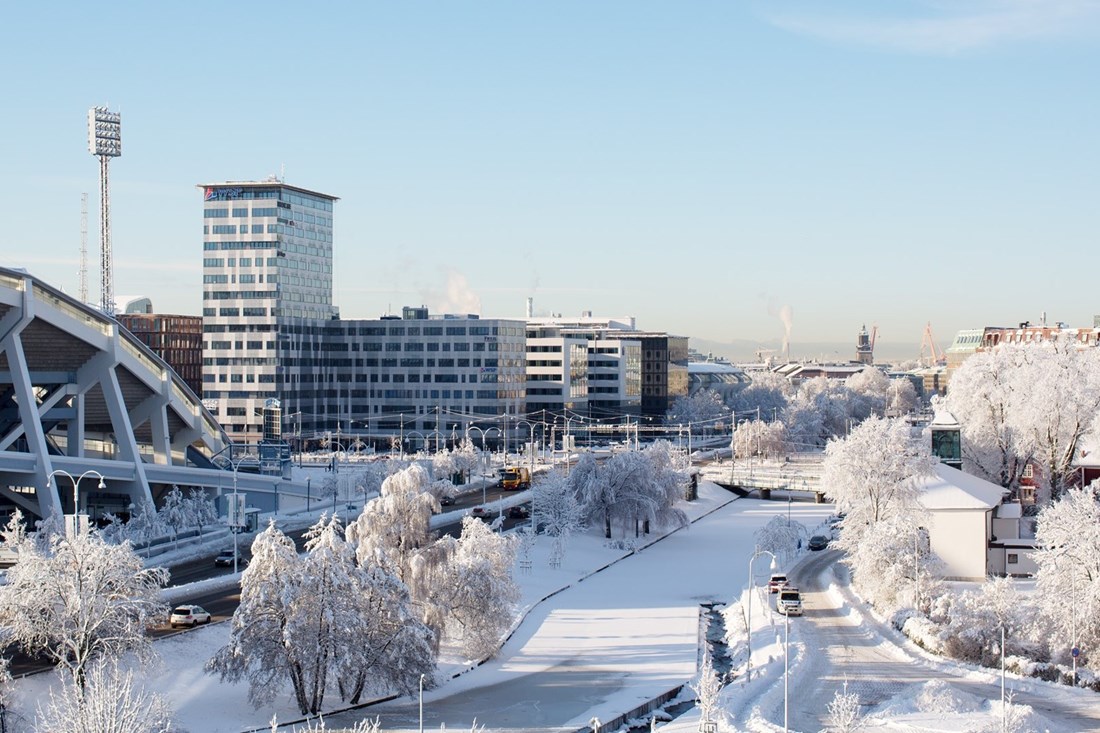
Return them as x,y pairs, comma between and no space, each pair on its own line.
267,264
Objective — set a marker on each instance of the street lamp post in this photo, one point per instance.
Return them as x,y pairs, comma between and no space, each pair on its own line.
307,494
786,666
75,528
748,622
421,703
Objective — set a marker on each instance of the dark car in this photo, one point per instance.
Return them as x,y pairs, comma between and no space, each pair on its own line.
519,511
446,500
819,542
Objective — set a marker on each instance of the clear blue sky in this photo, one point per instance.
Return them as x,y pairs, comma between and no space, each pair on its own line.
699,165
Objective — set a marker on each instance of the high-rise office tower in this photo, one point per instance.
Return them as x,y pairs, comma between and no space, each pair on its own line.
267,272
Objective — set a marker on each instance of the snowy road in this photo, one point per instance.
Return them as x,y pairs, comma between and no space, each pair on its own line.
845,646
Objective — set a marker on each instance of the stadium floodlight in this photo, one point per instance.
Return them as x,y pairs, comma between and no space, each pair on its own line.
104,132
105,142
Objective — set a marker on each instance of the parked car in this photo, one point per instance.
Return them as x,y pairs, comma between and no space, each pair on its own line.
188,616
225,559
520,511
789,602
819,542
776,582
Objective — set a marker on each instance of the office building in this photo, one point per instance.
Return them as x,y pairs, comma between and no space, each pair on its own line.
267,286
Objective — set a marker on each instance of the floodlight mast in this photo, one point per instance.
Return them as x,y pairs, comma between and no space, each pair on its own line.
105,142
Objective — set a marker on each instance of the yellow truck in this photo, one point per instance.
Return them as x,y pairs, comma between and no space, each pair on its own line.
514,478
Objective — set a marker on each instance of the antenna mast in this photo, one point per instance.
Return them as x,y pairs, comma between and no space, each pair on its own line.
83,248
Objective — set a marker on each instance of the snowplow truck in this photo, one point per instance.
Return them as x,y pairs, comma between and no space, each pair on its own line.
514,478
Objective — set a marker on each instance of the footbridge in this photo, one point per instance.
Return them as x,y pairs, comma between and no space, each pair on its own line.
798,473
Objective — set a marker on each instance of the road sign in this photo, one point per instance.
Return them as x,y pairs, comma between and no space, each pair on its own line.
1076,651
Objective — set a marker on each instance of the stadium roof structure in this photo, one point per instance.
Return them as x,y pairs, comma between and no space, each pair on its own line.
79,396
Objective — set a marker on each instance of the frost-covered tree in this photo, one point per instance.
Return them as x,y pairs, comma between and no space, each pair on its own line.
477,595
873,473
1021,404
984,398
397,522
630,489
868,389
759,438
111,701
780,536
843,712
873,476
201,509
80,601
704,408
259,650
1059,408
467,458
145,524
174,513
556,510
1068,578
708,688
768,392
444,465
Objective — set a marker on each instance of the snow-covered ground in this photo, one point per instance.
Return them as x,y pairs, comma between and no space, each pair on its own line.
633,628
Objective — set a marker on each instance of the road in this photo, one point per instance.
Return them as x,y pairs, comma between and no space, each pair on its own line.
844,647
222,603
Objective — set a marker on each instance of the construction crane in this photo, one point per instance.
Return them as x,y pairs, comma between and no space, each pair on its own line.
927,339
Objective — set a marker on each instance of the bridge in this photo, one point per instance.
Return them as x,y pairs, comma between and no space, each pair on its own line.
796,473
81,397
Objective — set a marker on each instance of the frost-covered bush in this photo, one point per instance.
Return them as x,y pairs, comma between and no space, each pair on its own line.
922,631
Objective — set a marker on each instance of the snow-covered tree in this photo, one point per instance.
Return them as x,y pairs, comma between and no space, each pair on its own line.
768,392
397,522
708,688
111,701
1021,404
704,408
467,458
145,524
555,508
759,438
902,398
201,509
259,650
869,389
780,536
174,513
478,594
872,476
843,712
873,473
1068,578
1058,408
629,489
80,601
984,398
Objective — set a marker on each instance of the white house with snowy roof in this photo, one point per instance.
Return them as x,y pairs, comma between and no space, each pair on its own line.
962,512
